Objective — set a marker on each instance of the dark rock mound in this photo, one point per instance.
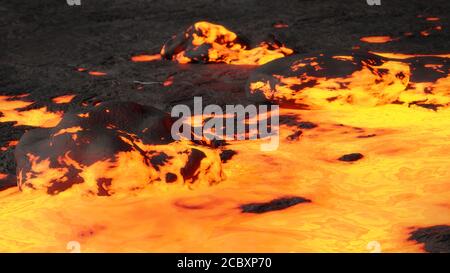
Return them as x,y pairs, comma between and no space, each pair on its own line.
115,147
276,204
313,81
351,157
226,155
436,239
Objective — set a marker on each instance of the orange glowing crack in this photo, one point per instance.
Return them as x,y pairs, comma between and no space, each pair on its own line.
97,73
168,81
63,99
70,130
146,58
377,39
402,56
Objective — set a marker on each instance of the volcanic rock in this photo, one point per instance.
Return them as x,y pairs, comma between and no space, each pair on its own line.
204,42
314,81
351,157
276,204
227,155
117,147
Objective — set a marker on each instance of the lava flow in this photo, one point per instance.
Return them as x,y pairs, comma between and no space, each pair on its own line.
363,158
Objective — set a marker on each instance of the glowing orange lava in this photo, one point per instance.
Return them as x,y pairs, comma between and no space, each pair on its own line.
41,117
63,99
168,81
377,39
97,73
146,58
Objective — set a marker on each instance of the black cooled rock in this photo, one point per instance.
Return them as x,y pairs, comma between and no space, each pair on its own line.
351,157
273,205
436,239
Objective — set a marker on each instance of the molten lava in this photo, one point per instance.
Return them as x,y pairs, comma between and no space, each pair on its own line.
11,143
377,39
362,160
146,58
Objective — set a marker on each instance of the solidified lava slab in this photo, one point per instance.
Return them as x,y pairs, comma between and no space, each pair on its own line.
351,157
273,205
312,81
116,147
436,239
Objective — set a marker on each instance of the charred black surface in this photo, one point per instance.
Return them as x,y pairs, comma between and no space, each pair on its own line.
226,155
307,125
273,205
295,121
436,239
351,157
